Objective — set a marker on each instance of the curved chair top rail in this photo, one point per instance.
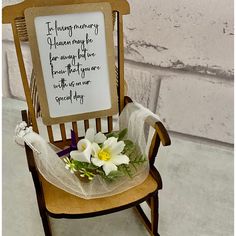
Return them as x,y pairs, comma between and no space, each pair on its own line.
10,13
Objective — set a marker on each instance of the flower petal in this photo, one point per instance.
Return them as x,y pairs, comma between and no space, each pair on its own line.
95,149
97,162
83,144
109,142
90,133
80,156
99,138
108,167
117,148
120,159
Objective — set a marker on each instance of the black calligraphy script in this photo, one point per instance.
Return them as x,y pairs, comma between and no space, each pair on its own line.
69,70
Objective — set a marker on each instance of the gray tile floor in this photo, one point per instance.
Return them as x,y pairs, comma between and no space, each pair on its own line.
197,198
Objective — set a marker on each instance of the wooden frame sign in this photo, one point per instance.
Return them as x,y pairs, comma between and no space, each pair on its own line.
73,56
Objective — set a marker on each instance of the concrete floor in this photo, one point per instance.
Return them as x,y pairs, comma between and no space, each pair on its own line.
197,198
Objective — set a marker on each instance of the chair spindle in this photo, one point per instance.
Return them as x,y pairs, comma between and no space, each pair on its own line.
75,129
63,132
86,125
50,134
21,28
109,123
98,124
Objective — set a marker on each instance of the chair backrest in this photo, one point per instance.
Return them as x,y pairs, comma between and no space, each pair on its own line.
15,16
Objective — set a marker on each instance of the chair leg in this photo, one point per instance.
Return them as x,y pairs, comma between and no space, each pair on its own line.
41,203
46,224
154,214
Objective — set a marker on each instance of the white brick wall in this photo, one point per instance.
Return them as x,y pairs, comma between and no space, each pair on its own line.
142,86
16,87
187,34
200,106
187,103
192,36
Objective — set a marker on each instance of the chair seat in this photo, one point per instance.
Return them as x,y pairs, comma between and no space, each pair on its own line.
60,203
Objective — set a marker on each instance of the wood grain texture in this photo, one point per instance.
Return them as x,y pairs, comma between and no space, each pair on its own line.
24,78
154,214
144,219
98,125
50,134
120,61
109,123
63,132
155,143
9,13
160,129
86,125
60,202
21,28
75,129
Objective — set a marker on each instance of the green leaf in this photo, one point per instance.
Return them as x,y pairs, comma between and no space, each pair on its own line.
118,134
138,160
122,134
126,169
113,134
113,175
128,143
129,147
88,166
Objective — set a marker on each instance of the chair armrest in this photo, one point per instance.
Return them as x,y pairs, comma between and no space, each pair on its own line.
156,124
160,129
156,175
127,100
160,135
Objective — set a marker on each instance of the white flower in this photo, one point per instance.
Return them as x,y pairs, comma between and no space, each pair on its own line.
83,153
109,156
84,146
92,137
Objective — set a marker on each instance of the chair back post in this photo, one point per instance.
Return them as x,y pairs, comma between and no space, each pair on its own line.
20,34
120,60
24,79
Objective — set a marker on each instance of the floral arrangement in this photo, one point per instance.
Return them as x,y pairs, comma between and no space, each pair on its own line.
110,156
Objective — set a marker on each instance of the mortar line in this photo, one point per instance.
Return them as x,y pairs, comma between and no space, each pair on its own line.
178,71
202,140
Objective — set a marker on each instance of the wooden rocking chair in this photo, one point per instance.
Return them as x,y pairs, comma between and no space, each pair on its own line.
53,201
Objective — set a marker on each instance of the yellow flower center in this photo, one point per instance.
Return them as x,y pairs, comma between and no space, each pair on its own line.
83,146
104,155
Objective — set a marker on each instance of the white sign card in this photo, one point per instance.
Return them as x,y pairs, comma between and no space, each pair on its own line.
73,56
